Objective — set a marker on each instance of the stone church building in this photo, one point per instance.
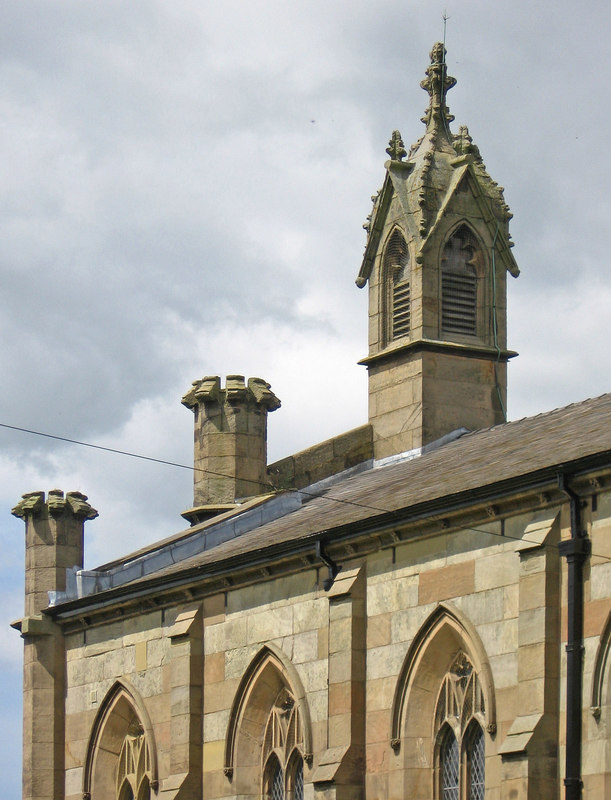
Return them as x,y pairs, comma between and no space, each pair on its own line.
418,608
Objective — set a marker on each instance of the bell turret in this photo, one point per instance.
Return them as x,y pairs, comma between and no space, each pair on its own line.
437,255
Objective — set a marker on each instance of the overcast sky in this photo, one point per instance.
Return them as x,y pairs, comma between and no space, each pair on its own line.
183,189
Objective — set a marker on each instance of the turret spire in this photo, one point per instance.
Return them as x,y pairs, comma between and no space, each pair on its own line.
437,83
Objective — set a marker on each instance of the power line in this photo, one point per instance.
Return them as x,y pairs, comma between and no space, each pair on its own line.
129,454
503,535
180,466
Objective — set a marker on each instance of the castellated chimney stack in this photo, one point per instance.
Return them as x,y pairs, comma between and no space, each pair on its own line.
53,545
230,437
53,542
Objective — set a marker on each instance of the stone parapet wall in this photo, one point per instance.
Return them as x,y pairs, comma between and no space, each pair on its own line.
322,460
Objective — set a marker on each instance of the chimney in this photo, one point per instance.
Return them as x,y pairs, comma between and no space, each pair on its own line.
230,442
53,544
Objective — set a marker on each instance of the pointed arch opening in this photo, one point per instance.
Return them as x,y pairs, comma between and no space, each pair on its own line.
396,288
462,271
601,676
121,760
269,736
444,709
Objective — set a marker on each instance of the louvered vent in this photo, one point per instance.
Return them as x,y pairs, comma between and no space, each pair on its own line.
459,284
400,310
396,269
459,304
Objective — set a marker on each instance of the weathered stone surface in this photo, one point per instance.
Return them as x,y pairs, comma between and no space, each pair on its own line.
360,678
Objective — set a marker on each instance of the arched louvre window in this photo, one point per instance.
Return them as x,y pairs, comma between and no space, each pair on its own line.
134,767
459,279
459,717
283,751
397,290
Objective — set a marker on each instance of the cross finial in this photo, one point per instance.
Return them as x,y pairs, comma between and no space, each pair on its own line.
437,83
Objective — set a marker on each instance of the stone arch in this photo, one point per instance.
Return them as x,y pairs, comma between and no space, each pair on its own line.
122,713
269,676
395,286
602,665
600,703
445,634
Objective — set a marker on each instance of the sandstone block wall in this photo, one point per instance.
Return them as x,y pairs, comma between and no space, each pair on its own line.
502,582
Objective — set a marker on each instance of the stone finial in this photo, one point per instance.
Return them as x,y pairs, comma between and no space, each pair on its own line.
464,146
437,83
463,143
31,504
396,149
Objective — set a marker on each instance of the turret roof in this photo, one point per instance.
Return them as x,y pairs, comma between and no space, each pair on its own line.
435,166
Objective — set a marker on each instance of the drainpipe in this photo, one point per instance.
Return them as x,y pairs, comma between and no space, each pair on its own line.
575,550
326,559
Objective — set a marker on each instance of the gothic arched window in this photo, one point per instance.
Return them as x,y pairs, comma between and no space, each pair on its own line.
460,749
459,283
282,751
397,290
121,762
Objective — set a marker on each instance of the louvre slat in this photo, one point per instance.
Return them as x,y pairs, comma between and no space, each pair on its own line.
459,304
401,315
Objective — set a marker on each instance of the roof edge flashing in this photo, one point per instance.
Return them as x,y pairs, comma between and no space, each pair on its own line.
408,455
81,582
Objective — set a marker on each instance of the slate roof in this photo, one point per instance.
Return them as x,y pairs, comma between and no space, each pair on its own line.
529,449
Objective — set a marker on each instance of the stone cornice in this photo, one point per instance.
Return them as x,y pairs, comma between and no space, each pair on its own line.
440,346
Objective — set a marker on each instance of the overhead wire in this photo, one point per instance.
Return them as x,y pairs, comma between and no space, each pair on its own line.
177,464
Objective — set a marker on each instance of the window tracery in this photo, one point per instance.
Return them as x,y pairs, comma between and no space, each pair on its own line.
282,756
459,722
121,759
133,768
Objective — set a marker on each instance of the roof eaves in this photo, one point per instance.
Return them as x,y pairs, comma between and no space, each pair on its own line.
376,524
